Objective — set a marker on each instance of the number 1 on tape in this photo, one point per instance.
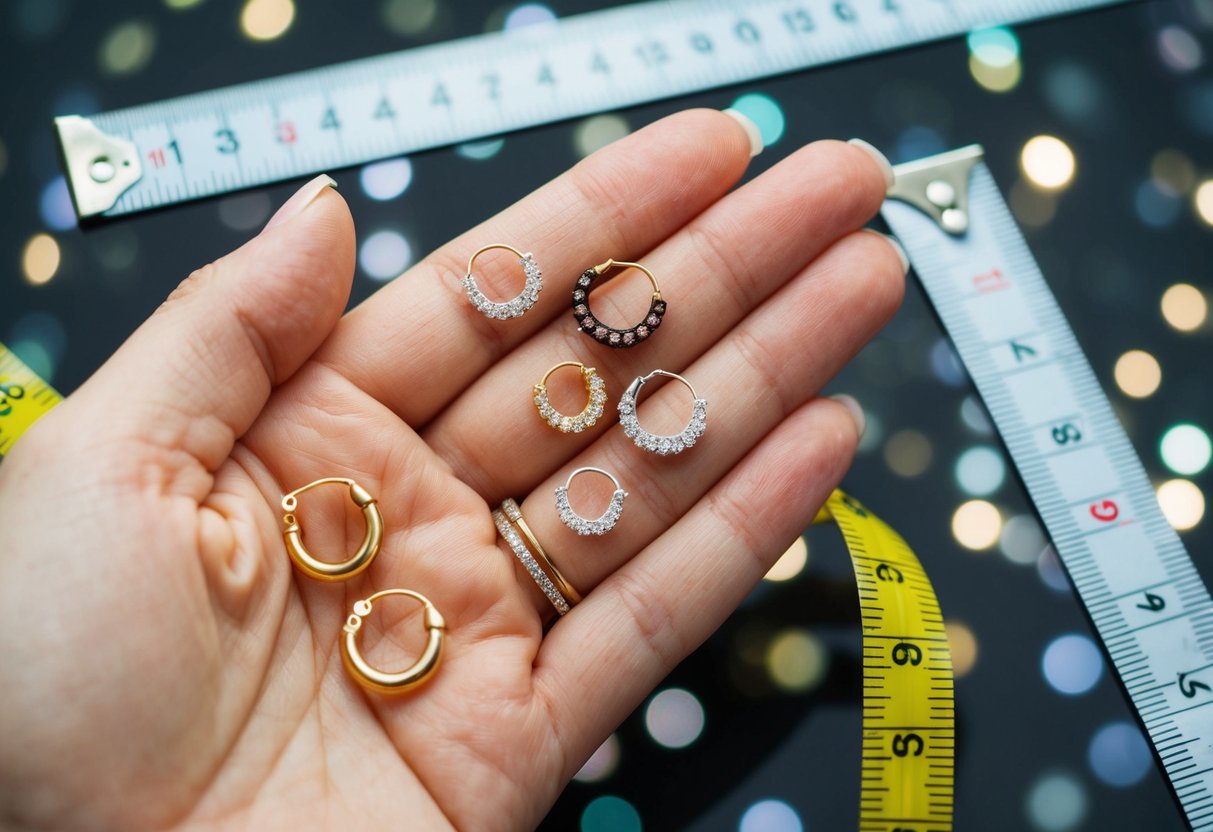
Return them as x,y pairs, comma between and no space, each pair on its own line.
1132,573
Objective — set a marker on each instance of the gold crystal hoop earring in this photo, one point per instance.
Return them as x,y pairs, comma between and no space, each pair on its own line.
520,303
595,387
600,332
380,681
322,570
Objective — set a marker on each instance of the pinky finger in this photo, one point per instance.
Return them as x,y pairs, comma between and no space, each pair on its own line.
600,662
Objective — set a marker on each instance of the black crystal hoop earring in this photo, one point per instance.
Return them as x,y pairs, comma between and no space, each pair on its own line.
600,332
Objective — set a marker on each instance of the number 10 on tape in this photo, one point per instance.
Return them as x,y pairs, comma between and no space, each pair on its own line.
1133,576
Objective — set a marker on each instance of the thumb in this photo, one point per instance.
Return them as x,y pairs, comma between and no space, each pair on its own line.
197,373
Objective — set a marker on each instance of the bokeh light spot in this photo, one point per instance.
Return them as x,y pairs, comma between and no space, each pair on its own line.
384,255
1022,540
1071,664
387,179
963,646
674,718
997,46
791,563
1048,162
1182,502
479,151
127,48
946,364
1118,755
1155,206
46,334
763,111
264,20
1185,449
1184,307
770,816
1056,803
995,78
1173,171
602,763
908,453
973,413
1203,200
55,205
980,471
976,525
40,259
243,212
796,660
1179,51
597,132
1050,570
610,814
409,17
528,14
1137,374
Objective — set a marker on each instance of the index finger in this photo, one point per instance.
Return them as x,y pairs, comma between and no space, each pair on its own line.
417,343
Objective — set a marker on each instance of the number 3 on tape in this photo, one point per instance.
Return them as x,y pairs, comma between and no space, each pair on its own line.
1140,587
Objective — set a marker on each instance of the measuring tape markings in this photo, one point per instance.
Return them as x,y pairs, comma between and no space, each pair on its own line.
1083,476
351,113
909,736
24,397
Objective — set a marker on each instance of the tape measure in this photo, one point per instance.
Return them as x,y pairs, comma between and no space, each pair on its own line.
1132,573
24,397
909,734
347,114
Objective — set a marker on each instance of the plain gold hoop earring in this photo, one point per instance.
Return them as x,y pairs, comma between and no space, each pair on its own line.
322,570
380,681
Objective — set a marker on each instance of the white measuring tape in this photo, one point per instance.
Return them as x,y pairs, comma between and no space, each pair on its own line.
256,133
1134,577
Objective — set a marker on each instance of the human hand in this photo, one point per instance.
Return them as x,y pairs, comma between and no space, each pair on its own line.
165,666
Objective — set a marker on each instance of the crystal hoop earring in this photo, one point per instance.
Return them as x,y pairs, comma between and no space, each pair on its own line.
380,681
663,445
581,525
515,307
600,332
322,570
595,387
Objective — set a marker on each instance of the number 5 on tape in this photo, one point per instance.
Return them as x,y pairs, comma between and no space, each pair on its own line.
1133,576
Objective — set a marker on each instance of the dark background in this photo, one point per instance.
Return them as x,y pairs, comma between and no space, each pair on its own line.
1118,85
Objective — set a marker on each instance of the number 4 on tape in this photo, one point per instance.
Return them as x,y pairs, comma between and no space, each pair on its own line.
1133,576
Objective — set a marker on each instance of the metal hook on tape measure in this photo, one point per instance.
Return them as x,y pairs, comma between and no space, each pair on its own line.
939,186
100,167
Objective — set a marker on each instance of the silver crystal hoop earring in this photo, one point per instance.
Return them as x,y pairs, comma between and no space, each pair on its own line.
579,524
663,445
515,307
595,389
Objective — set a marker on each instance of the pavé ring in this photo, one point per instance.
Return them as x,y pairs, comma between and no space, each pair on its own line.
605,522
595,389
663,445
516,306
600,332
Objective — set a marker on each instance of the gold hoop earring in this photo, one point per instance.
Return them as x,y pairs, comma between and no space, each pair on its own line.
322,570
380,681
595,389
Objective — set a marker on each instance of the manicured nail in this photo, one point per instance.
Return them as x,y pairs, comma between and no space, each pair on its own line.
751,130
854,409
897,247
880,158
301,199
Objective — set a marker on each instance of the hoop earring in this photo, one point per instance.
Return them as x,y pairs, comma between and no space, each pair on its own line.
520,303
322,570
595,387
605,522
600,332
663,445
380,681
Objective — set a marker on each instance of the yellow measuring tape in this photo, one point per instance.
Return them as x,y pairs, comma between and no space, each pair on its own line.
909,734
24,397
908,729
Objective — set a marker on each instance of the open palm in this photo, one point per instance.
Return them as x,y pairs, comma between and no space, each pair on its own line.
164,664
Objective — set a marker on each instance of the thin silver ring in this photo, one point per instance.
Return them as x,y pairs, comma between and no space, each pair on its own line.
663,445
604,522
520,303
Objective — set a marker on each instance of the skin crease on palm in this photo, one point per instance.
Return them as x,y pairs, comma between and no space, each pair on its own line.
165,666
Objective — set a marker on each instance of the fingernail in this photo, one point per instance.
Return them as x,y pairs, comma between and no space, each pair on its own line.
301,199
751,130
897,247
881,159
854,409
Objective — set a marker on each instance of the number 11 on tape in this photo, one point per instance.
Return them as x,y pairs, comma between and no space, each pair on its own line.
1133,575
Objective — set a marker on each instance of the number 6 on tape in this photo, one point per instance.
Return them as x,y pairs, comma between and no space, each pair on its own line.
1136,581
